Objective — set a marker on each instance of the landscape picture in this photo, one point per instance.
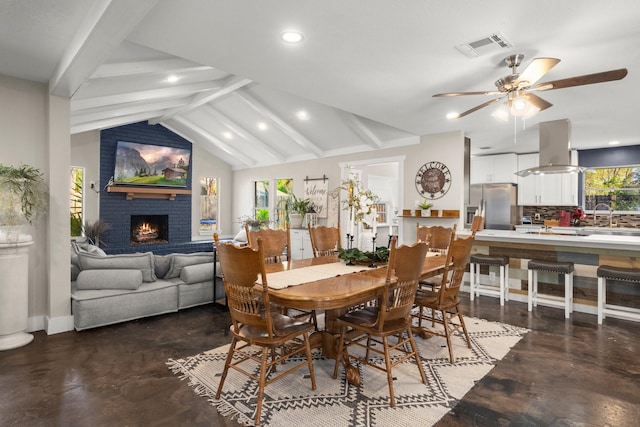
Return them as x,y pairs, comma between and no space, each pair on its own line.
148,164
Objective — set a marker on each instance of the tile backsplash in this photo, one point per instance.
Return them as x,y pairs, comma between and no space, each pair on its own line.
553,212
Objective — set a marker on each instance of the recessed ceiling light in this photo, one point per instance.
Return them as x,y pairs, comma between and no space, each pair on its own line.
452,115
302,115
227,135
614,142
172,78
292,36
262,126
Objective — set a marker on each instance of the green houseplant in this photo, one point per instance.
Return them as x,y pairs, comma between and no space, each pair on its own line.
297,208
23,195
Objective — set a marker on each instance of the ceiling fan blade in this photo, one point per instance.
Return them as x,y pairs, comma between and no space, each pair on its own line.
477,107
535,70
468,93
537,102
605,76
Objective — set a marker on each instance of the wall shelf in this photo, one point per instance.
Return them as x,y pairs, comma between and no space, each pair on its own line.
148,193
446,213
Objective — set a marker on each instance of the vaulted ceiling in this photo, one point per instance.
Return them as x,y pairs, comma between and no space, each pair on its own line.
364,73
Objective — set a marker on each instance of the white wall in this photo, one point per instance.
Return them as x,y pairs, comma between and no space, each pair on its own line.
24,140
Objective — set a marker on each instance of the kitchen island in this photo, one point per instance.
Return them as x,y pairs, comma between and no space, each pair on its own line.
586,247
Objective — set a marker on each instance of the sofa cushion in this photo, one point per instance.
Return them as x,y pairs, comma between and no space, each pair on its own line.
197,273
75,271
109,279
139,261
179,261
162,265
87,248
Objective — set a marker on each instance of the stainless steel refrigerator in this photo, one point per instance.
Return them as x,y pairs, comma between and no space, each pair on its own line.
499,203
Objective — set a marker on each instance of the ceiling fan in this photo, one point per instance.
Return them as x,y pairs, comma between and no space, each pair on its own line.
517,87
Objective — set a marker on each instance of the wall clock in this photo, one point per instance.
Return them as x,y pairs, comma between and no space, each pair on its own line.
433,180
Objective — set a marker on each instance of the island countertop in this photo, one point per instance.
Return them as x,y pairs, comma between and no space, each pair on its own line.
558,237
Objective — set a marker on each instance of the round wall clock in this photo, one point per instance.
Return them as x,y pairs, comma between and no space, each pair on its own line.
433,180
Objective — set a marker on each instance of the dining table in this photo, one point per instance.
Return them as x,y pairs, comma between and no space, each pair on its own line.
331,285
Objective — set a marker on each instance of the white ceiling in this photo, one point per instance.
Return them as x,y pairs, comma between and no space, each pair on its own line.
365,72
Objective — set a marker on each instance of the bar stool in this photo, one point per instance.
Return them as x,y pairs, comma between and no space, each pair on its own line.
565,268
476,289
606,272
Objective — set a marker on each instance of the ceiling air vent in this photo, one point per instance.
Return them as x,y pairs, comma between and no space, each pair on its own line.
489,44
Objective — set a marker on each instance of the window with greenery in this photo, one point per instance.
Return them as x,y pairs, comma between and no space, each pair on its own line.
618,187
261,200
208,204
77,200
284,196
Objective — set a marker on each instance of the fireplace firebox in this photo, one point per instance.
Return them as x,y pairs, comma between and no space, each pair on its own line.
149,229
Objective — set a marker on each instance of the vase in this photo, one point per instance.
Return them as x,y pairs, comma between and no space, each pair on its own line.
426,212
295,220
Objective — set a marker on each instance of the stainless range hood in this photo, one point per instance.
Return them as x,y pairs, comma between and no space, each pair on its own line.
555,155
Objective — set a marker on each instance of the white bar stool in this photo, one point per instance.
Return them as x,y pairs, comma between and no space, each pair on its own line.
534,297
606,272
476,288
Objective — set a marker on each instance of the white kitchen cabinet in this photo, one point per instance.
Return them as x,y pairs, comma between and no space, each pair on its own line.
496,169
549,190
300,244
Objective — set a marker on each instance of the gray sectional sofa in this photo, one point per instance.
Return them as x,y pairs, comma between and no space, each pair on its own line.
107,289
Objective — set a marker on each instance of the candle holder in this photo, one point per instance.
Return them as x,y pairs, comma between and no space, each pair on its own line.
373,239
349,241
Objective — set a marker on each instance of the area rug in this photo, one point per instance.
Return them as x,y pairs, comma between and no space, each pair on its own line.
335,403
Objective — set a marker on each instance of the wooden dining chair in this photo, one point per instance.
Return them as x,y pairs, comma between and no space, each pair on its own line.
439,238
324,240
256,323
276,243
477,224
371,327
444,300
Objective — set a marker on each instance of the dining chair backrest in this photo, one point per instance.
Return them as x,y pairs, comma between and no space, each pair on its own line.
276,244
403,273
477,224
324,240
242,267
436,236
458,256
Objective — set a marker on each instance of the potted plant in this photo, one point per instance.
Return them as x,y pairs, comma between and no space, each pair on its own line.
23,198
297,209
261,220
425,207
94,229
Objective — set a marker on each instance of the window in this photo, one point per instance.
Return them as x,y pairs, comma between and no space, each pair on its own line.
618,187
208,205
284,196
261,200
76,200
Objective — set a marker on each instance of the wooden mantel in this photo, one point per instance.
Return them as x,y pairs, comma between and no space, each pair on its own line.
147,192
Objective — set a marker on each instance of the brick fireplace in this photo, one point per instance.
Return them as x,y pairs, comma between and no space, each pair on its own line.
119,212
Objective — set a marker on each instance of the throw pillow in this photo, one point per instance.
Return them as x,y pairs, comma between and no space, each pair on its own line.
109,279
162,263
138,261
241,236
182,260
86,247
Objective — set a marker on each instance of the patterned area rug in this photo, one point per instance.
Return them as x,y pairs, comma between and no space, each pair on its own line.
335,403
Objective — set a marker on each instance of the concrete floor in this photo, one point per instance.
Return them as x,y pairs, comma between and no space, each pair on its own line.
563,373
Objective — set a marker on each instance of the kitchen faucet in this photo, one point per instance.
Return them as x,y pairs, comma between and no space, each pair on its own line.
609,212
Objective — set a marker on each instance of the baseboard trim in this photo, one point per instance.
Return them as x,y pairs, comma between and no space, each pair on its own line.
57,325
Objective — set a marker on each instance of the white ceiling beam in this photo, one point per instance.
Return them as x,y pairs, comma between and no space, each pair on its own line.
192,127
363,130
282,125
127,109
114,121
173,91
105,27
231,84
243,133
120,69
